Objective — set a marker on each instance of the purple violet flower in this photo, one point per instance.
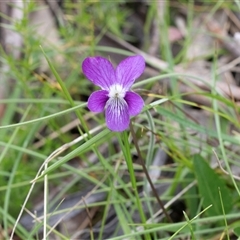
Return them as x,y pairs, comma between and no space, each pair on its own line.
115,97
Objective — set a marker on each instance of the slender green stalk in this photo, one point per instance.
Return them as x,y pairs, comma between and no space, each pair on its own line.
188,223
218,126
127,154
224,214
45,205
40,119
13,172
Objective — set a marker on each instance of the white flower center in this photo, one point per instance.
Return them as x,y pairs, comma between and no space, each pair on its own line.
116,91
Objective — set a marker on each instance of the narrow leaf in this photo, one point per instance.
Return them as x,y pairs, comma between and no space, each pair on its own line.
209,183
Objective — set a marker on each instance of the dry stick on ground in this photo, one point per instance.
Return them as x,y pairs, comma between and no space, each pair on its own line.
155,38
161,65
57,12
233,18
229,43
146,173
89,216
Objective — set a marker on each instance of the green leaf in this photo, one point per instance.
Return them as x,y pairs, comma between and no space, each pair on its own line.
191,196
209,184
237,231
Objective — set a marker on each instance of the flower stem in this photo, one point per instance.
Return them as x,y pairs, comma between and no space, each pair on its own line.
127,154
147,175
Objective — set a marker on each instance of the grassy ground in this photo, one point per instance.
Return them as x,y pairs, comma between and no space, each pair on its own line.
64,175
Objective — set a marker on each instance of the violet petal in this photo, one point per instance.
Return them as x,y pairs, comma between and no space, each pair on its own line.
100,71
129,70
97,100
117,116
135,103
